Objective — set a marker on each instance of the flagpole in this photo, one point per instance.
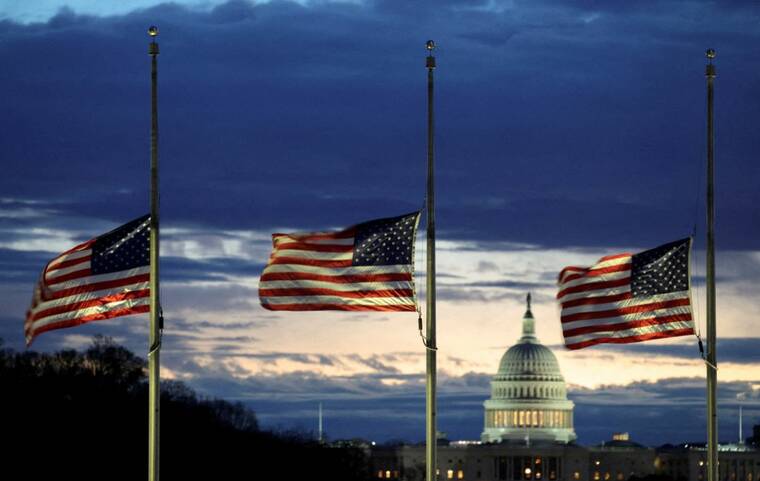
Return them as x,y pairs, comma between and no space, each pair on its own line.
712,363
154,389
430,348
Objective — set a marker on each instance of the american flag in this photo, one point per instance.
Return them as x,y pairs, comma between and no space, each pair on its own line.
102,278
627,298
367,267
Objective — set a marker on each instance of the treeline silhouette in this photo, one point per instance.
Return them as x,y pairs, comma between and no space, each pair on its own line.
84,415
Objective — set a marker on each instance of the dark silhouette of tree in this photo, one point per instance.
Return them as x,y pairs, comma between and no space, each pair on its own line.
114,364
84,415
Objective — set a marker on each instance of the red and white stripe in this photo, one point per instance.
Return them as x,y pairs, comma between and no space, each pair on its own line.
597,307
313,272
68,294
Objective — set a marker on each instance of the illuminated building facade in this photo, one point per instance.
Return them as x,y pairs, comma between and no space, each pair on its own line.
528,394
615,460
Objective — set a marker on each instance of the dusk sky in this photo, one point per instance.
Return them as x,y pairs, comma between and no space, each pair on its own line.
565,131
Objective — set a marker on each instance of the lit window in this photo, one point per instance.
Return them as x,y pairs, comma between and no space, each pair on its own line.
576,475
380,474
552,475
387,475
395,475
620,477
607,476
460,474
596,476
450,474
596,463
527,472
538,474
522,418
538,461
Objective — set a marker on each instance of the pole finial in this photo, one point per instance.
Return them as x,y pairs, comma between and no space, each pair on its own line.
710,69
527,299
153,46
430,62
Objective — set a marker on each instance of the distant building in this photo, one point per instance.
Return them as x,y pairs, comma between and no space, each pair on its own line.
755,439
736,462
528,435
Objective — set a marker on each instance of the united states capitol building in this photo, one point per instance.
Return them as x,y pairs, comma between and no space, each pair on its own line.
528,394
528,435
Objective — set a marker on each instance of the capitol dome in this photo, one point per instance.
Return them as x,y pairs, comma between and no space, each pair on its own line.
528,394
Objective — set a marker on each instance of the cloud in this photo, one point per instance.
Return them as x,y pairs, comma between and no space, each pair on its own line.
351,117
729,350
319,359
23,266
370,406
228,341
485,292
646,409
213,269
511,284
183,325
487,266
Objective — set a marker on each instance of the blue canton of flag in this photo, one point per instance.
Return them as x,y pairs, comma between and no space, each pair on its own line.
661,270
385,242
124,248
